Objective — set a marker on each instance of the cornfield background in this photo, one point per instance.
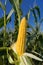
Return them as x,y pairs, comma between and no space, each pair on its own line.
34,38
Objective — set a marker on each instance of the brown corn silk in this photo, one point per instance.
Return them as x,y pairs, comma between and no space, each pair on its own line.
19,46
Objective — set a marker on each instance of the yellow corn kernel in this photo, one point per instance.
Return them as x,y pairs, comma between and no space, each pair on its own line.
21,40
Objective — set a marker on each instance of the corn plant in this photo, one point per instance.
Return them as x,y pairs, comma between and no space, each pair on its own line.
15,53
35,36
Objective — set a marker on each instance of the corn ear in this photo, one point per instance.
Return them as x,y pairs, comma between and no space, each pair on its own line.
19,46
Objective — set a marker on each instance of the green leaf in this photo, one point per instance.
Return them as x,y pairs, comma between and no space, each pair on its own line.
22,61
25,61
11,1
34,14
10,59
41,21
16,1
38,10
28,15
1,61
33,56
13,58
33,29
34,52
28,60
20,1
16,8
2,52
2,21
10,13
2,6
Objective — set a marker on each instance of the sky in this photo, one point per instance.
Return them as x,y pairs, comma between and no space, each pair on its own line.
25,6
